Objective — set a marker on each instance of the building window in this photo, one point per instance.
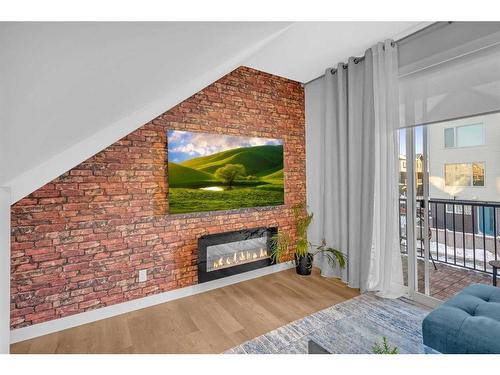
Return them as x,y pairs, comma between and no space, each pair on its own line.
477,174
458,209
464,136
464,174
449,137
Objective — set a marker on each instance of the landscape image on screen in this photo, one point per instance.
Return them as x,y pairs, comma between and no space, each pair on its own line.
210,172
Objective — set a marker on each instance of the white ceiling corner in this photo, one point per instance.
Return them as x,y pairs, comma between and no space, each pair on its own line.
306,49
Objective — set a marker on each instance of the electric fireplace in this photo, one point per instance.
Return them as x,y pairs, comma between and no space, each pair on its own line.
230,253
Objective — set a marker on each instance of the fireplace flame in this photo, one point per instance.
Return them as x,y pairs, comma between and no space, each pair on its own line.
240,257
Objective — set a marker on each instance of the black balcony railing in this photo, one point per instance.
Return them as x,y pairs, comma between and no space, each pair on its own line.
461,233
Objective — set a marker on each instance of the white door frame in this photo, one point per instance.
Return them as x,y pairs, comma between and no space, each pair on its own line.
411,211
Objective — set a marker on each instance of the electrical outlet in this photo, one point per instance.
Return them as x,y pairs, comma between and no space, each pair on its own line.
143,275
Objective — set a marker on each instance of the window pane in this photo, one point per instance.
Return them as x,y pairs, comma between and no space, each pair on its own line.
449,137
458,174
470,135
449,175
478,174
464,174
458,208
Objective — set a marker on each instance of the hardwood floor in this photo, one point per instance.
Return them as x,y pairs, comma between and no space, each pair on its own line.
210,322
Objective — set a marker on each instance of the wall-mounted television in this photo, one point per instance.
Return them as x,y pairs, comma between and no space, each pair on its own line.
212,172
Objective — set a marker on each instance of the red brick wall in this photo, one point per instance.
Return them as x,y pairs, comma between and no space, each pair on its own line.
79,241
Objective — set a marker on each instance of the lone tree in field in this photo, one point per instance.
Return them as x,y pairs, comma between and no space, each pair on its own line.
229,173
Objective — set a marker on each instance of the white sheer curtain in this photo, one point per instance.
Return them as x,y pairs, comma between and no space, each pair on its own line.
386,273
358,171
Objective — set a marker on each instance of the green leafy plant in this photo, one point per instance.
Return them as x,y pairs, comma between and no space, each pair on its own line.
384,348
302,221
281,242
333,256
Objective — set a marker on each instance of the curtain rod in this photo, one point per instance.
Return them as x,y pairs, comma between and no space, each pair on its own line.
399,41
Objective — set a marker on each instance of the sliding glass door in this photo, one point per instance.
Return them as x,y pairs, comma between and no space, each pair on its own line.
414,223
449,205
450,200
414,213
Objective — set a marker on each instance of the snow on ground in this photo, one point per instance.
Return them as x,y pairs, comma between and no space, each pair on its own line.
456,256
450,255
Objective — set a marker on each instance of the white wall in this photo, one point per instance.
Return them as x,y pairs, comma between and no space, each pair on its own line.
314,102
4,270
489,153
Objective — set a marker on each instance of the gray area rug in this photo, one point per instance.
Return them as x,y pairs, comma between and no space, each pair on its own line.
351,327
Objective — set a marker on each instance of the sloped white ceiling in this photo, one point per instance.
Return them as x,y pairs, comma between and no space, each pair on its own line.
68,90
306,49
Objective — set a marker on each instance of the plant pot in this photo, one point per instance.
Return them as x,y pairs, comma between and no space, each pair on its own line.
303,264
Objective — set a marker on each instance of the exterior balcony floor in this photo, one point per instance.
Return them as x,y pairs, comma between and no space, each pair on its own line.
447,280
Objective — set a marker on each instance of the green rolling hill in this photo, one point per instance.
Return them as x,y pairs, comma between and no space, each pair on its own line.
278,175
256,160
179,175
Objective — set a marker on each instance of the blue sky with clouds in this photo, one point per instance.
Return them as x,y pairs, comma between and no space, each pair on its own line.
183,145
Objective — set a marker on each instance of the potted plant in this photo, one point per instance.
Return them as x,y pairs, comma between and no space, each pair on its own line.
384,347
304,250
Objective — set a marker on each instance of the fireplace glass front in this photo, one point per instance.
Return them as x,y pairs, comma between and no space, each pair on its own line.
225,254
238,252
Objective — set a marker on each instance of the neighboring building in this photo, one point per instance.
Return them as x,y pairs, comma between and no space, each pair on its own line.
464,164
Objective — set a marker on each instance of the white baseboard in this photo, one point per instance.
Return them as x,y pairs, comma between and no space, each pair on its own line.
56,325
